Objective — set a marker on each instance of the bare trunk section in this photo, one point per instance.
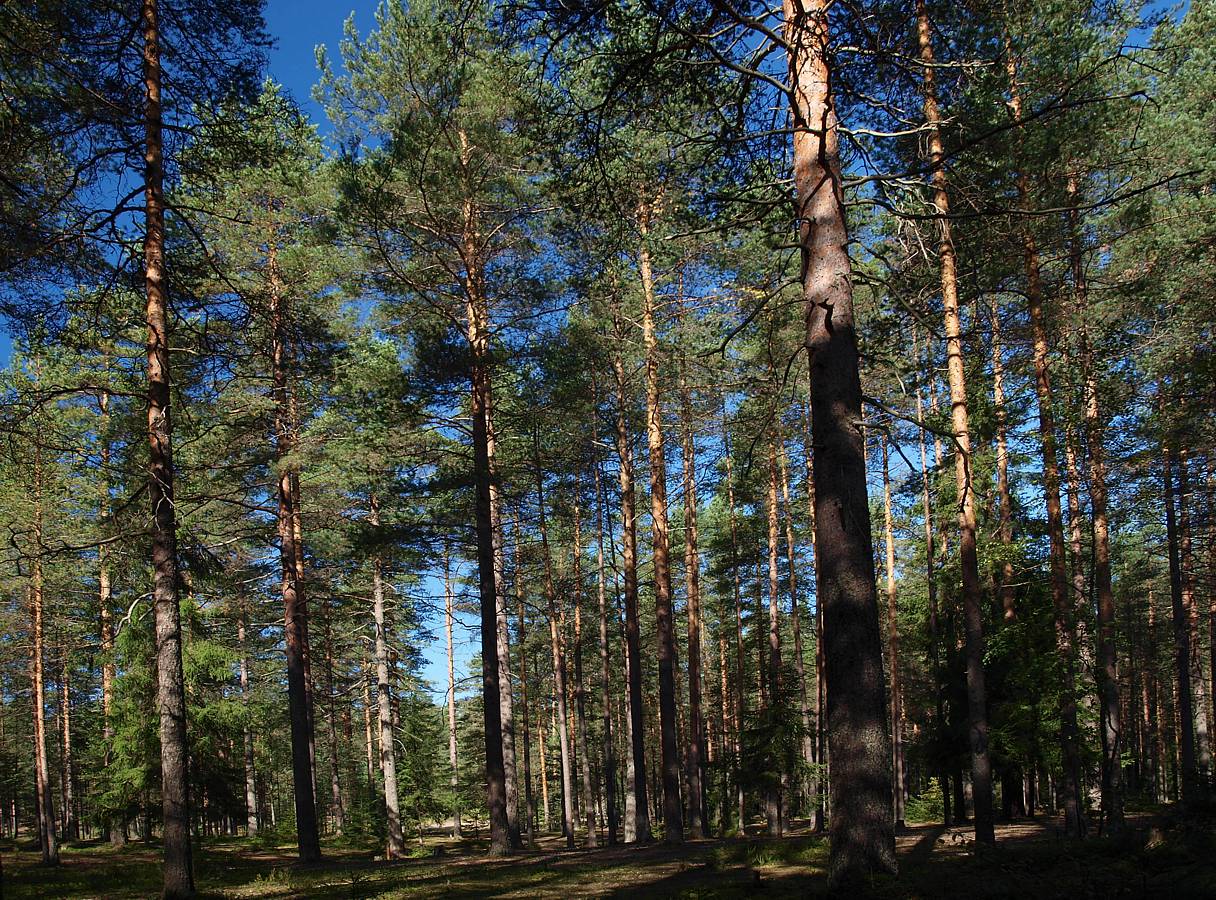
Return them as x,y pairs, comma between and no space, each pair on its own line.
1004,498
791,550
977,702
738,585
673,813
529,799
605,664
251,794
897,717
559,663
1188,775
863,840
1095,426
1071,786
47,838
580,685
337,798
170,691
637,817
448,616
395,846
773,800
695,759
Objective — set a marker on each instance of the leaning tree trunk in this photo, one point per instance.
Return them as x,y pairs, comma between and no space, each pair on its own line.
1071,786
977,702
170,690
673,813
395,847
637,816
863,839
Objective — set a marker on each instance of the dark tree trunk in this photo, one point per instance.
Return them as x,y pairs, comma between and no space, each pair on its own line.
863,840
170,692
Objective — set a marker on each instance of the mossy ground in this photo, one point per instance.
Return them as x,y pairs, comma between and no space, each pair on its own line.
1161,856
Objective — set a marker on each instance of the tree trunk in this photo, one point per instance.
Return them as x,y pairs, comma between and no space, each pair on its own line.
529,799
773,798
251,796
1071,786
1095,426
893,641
580,685
863,840
739,658
1004,498
105,601
695,760
808,749
447,623
559,664
673,813
170,691
977,703
1188,775
1203,746
395,846
818,800
335,778
48,842
637,817
605,665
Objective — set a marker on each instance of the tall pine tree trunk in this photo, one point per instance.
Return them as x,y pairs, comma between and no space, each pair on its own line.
773,798
637,817
48,842
580,685
863,840
251,794
170,691
977,702
1004,497
739,664
448,617
888,528
1185,743
791,550
605,664
395,846
673,813
1095,426
1071,786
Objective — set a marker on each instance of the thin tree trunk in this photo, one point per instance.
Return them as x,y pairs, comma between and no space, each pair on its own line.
1107,671
791,550
637,816
818,800
178,868
863,840
447,623
1203,746
605,666
893,640
395,846
559,664
739,658
1004,497
48,842
1071,787
1188,775
114,824
366,678
335,779
529,799
773,798
673,813
692,575
251,796
977,702
580,686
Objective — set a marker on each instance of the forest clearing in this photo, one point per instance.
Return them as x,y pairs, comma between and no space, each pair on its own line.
604,447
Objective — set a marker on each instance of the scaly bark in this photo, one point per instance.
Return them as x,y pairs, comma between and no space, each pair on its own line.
178,870
863,839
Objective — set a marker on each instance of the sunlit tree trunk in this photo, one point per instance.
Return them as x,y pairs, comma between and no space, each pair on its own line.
1004,498
673,813
251,794
48,839
529,798
791,550
977,702
1071,786
448,617
395,845
580,686
863,840
738,703
773,799
637,816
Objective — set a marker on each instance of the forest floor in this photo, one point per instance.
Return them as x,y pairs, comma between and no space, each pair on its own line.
1161,856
